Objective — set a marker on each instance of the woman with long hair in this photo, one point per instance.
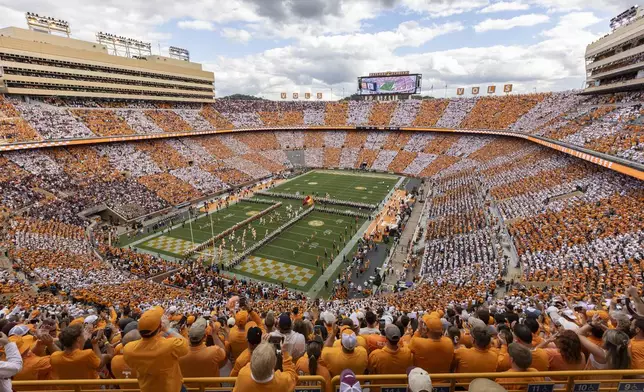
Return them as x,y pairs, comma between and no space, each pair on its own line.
611,355
567,353
309,364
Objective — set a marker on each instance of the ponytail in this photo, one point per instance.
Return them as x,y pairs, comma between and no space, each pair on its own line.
313,365
314,351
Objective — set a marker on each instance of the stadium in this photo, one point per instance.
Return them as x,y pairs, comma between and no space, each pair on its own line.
157,238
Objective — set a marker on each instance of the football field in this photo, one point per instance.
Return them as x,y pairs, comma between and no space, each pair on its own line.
342,185
296,256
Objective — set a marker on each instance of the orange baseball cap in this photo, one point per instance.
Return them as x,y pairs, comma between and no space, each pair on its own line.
433,324
22,345
150,321
241,318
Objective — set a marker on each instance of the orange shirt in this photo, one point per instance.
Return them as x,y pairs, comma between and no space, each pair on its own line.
240,362
79,364
475,360
202,361
237,341
557,362
302,369
282,380
156,360
526,378
536,339
637,353
121,370
540,360
388,361
337,360
33,368
432,355
375,342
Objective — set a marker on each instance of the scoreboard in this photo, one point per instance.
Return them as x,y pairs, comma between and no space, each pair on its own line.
390,84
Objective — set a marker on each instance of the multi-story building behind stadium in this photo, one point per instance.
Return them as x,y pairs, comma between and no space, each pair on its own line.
616,61
34,63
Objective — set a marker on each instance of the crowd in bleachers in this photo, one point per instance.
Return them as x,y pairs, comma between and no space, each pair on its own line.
593,122
574,225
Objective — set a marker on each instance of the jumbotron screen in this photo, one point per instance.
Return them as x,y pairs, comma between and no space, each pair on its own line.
397,84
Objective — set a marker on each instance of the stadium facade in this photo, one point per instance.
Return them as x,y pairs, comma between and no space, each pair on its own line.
615,62
33,63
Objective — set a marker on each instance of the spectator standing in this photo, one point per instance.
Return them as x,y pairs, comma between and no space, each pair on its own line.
120,369
260,374
155,358
254,338
12,365
520,360
203,361
74,363
294,343
432,351
390,359
347,356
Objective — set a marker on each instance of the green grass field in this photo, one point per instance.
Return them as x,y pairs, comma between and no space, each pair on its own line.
296,257
357,187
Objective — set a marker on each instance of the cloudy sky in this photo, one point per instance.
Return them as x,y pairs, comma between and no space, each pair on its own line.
264,47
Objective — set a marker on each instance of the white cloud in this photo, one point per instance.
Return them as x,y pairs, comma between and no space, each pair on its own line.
238,35
196,25
507,24
504,6
319,64
442,8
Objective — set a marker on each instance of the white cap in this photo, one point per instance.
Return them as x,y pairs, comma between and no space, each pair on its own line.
570,314
172,309
91,319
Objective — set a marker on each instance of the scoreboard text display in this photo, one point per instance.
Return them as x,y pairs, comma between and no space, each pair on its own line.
393,84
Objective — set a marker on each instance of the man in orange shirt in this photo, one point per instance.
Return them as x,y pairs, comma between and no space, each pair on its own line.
432,351
120,369
155,358
203,361
74,362
637,344
540,359
346,356
33,366
254,338
520,360
260,374
478,359
390,359
237,336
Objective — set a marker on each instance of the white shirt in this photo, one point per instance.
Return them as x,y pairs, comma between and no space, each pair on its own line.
294,343
10,367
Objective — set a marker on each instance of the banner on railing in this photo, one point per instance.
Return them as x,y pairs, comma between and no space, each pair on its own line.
307,95
507,88
491,89
475,90
283,95
319,95
460,91
296,96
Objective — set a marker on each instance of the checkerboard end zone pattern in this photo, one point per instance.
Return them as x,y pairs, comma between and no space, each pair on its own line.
170,244
287,273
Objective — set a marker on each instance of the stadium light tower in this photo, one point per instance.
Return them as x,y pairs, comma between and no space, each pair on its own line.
46,24
179,53
123,46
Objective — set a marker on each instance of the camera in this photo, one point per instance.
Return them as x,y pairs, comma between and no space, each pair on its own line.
277,342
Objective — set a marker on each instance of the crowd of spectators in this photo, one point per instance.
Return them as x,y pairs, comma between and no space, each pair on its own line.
564,116
574,225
